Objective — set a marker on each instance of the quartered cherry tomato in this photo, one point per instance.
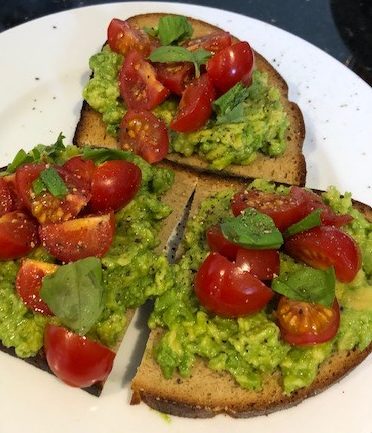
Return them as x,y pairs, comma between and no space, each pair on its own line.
225,289
219,244
264,264
18,235
17,203
82,169
28,284
6,201
303,323
139,87
325,246
175,76
76,360
230,66
214,42
114,184
144,134
79,238
195,107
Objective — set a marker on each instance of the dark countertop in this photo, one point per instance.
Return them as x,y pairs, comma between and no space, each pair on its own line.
342,28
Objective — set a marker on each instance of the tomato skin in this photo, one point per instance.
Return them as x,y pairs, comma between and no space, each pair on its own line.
79,238
144,134
304,323
82,169
231,65
139,87
123,37
17,203
214,42
224,289
76,360
218,243
28,284
18,235
114,185
6,200
175,76
195,107
325,246
263,264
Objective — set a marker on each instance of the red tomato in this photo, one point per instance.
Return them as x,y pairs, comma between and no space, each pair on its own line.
218,243
18,235
225,289
285,210
6,201
114,185
144,134
214,42
175,76
231,65
195,107
79,238
325,246
45,207
303,323
264,264
83,169
76,360
10,180
28,284
139,86
124,37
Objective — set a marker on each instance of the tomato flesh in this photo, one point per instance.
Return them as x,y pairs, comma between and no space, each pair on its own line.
28,284
76,360
79,238
10,181
82,169
225,289
325,246
144,134
6,200
304,323
214,42
175,76
264,264
218,243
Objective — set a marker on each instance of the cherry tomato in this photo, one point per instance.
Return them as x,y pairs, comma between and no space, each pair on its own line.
124,37
28,284
304,323
45,207
144,134
114,185
76,360
325,246
18,235
225,289
231,65
214,42
175,76
285,210
79,238
195,107
139,86
82,169
264,264
6,201
218,243
17,203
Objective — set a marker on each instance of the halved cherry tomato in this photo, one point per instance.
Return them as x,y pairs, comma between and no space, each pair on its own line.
225,289
6,201
18,235
114,184
285,210
139,87
195,107
325,246
28,284
45,207
304,323
79,238
82,169
124,37
231,65
76,360
17,203
264,264
144,134
218,243
214,42
175,76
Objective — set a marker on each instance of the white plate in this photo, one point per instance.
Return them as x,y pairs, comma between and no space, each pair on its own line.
44,65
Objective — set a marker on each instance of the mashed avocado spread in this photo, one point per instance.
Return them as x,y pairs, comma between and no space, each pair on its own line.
260,125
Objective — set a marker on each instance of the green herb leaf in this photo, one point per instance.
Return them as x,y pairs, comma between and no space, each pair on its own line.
21,158
151,31
307,284
100,155
173,29
230,106
252,229
75,293
307,223
53,182
168,54
38,186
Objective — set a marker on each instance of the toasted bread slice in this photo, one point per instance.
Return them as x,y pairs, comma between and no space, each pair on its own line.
289,168
207,393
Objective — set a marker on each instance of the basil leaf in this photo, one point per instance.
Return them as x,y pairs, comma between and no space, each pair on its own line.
53,182
151,31
235,115
252,229
307,223
307,284
101,155
173,29
38,186
233,97
75,293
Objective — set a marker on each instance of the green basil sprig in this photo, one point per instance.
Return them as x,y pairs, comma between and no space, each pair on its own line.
310,221
50,180
230,106
171,29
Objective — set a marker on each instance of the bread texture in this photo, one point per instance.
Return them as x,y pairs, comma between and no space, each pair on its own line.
288,168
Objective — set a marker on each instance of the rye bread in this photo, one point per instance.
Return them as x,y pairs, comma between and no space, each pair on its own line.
289,168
